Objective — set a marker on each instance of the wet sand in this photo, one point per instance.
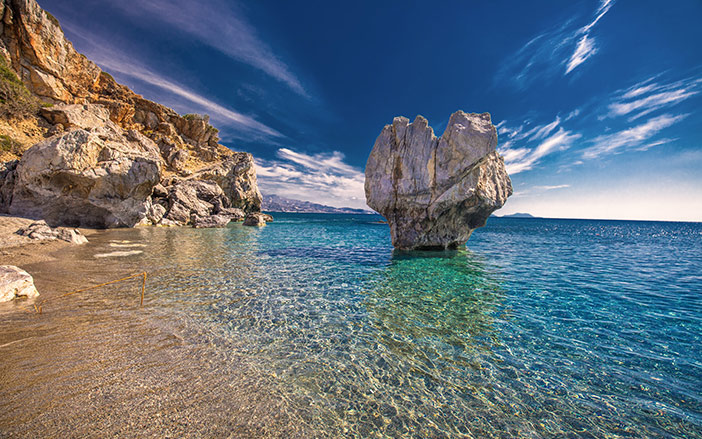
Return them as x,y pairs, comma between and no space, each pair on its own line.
96,364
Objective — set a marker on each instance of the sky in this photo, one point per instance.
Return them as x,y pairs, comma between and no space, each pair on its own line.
596,101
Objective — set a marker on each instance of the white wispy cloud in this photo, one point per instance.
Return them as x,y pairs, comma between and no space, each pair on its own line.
631,138
551,188
113,60
647,97
524,158
220,25
555,52
586,47
321,178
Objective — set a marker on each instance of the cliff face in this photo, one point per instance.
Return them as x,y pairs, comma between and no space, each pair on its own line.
98,176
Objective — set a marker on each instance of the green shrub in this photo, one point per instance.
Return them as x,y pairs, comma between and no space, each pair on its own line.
6,73
107,75
52,19
15,100
9,144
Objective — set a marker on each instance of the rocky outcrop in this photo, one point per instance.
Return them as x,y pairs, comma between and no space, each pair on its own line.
257,219
108,150
15,283
98,178
212,221
435,191
41,231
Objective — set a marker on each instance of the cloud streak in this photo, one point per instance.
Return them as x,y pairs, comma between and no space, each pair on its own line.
647,97
113,60
520,159
555,52
631,137
586,44
321,178
221,26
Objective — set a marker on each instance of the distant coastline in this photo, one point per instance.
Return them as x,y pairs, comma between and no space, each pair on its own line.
518,215
275,203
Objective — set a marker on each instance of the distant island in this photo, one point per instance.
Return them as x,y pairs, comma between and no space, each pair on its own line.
276,203
518,215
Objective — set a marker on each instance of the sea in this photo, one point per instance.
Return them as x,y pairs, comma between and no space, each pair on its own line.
313,326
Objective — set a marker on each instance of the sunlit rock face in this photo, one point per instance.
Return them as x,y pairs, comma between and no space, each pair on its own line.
112,158
435,191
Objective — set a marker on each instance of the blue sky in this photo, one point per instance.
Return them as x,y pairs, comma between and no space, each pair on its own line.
595,101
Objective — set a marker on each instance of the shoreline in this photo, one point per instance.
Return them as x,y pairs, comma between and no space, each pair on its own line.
22,251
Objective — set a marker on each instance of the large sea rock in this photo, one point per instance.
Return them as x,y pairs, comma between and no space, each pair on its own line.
435,191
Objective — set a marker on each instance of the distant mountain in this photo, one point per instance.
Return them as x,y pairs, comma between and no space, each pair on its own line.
275,203
518,215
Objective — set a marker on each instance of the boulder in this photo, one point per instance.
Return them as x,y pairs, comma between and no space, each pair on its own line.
256,219
435,191
236,176
80,178
15,283
211,221
233,213
87,117
41,231
194,198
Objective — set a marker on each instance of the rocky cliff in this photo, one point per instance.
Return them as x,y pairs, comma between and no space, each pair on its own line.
80,149
435,191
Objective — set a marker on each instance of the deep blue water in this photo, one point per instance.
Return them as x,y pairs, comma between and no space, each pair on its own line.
539,328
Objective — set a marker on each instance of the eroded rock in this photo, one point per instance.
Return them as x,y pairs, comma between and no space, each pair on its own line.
194,199
80,178
435,191
41,231
211,221
15,283
257,219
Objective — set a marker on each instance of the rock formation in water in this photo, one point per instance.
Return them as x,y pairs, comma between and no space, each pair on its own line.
110,158
435,191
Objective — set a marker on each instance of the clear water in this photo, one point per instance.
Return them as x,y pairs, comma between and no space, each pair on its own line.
314,327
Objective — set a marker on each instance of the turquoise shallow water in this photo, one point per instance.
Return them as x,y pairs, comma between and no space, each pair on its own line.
314,327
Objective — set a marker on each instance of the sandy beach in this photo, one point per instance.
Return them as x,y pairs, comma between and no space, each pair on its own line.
22,251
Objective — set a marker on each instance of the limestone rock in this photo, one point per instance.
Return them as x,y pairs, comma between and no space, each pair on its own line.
435,191
237,177
212,221
41,231
256,219
194,199
125,140
7,183
233,213
81,178
87,117
15,283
